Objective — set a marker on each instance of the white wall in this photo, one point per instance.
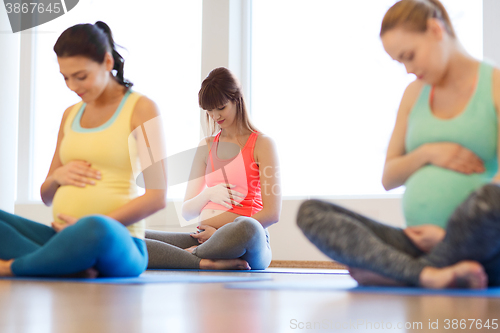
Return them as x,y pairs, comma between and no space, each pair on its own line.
9,106
491,30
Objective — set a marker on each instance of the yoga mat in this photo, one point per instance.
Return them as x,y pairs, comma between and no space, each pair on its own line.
267,270
144,279
351,286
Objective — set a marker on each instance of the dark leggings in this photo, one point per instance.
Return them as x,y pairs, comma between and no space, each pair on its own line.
473,233
243,238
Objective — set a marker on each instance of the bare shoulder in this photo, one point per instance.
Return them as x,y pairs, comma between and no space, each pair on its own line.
66,114
496,79
67,111
410,95
264,147
496,73
144,110
207,140
414,87
264,142
496,88
204,146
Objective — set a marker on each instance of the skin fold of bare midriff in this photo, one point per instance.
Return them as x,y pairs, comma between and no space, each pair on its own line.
216,218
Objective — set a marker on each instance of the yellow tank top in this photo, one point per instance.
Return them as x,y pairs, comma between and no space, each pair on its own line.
107,148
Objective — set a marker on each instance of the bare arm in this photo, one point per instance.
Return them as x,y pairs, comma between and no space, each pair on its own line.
195,198
496,100
266,156
50,186
399,165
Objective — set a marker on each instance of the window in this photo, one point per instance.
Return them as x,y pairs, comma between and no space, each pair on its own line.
320,71
162,41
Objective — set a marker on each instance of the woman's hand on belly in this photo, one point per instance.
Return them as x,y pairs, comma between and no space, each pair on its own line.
426,236
76,173
68,220
223,195
455,157
204,233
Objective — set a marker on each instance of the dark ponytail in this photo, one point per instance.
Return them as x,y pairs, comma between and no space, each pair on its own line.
91,41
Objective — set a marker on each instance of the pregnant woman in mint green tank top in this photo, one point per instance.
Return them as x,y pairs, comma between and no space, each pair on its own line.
444,144
444,149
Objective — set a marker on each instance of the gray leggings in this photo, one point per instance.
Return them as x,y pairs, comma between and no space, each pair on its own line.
473,233
244,238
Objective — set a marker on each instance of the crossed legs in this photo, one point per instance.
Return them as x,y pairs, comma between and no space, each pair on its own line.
96,241
241,244
472,237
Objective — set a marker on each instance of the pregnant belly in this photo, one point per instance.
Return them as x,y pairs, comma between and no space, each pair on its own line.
97,199
433,193
216,218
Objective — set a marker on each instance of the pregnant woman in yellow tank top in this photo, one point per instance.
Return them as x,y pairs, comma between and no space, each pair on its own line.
98,226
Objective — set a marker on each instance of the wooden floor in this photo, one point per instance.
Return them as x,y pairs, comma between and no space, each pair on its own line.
48,307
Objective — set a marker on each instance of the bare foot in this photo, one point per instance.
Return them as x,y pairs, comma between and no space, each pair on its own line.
224,264
365,277
90,273
190,249
465,274
5,269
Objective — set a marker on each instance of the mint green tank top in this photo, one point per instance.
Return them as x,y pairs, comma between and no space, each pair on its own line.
433,193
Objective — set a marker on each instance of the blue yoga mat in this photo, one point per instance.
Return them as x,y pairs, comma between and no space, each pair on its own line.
267,270
351,286
143,279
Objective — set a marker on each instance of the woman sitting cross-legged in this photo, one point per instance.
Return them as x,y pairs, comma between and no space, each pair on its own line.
234,190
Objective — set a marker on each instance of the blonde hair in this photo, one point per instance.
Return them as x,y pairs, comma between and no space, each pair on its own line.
413,15
218,88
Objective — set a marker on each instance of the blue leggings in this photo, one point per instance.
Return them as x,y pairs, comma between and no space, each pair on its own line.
95,241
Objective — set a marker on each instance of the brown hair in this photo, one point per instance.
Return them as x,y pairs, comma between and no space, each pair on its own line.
218,88
91,41
413,15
